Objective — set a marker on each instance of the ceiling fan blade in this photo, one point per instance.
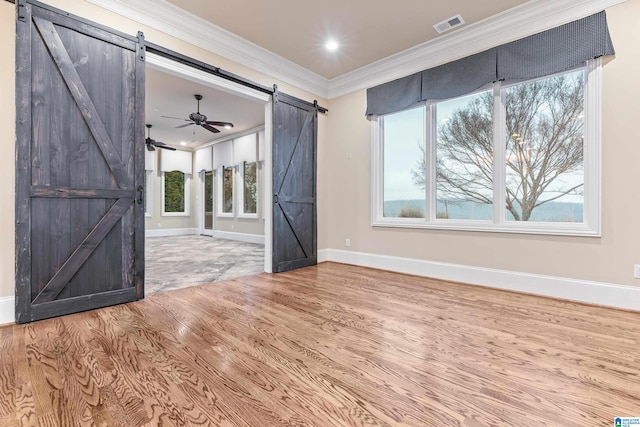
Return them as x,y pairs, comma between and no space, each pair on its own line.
225,124
177,118
210,128
159,145
184,125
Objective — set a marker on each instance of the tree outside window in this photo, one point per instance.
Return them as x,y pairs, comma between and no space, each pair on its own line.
227,189
250,187
544,174
174,196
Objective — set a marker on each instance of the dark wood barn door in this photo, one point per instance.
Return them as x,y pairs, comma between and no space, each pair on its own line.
79,178
295,132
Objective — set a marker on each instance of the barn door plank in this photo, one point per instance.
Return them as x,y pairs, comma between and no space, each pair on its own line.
83,252
79,93
79,193
40,210
82,145
23,160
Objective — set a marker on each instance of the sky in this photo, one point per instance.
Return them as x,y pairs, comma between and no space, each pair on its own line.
403,132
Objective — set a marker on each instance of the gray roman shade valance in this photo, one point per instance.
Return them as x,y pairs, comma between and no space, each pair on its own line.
459,77
397,95
555,50
558,49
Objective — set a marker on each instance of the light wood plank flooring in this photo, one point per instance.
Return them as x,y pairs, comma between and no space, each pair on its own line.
331,345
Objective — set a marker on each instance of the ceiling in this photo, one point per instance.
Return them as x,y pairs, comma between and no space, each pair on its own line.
167,95
297,30
366,31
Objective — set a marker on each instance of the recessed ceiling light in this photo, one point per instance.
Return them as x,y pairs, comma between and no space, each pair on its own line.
331,45
183,143
156,109
228,126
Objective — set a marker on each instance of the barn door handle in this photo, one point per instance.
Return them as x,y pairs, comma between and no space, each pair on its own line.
140,194
275,199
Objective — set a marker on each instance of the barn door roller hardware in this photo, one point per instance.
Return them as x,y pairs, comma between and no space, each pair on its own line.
21,10
315,101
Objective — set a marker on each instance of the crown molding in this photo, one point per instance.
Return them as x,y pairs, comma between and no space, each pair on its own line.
521,21
174,21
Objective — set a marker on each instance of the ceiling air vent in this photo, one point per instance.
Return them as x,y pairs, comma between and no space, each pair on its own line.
448,24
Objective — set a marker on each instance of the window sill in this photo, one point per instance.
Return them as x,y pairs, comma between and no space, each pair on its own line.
248,216
552,229
147,215
225,215
175,214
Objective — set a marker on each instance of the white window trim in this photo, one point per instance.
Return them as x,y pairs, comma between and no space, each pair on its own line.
241,212
187,198
148,193
220,197
591,225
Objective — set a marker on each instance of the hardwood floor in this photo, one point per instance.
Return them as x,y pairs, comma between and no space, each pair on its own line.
330,345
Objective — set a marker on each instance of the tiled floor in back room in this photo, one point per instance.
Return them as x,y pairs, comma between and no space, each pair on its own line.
179,261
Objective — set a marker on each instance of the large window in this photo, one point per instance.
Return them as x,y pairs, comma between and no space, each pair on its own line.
249,194
521,157
175,193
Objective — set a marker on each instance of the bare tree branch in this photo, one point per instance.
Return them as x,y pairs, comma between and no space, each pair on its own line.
544,143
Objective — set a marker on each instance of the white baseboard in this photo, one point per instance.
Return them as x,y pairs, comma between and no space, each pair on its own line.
165,232
7,310
608,294
242,237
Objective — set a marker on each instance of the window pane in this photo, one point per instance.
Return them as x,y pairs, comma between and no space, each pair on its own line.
227,190
404,165
174,191
250,188
545,170
464,157
208,200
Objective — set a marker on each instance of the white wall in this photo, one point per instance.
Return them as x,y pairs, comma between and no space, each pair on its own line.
7,145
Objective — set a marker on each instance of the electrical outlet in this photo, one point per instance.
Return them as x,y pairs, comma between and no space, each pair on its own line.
636,271
347,242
